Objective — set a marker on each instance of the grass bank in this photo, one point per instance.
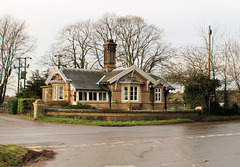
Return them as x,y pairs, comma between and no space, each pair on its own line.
111,123
220,118
12,155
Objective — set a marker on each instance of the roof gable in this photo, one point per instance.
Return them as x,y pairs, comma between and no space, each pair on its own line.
52,74
124,72
162,82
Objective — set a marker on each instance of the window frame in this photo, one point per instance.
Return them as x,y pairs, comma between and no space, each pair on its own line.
134,93
54,92
46,94
102,96
92,96
158,95
131,93
84,96
125,93
59,92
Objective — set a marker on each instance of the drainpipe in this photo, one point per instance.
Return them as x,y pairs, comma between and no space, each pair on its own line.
165,98
110,99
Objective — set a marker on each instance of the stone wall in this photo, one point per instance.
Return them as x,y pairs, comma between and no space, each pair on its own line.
123,115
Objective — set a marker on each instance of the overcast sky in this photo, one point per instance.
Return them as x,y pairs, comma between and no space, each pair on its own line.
180,19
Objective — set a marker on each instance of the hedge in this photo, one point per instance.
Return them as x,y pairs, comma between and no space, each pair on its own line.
24,105
12,106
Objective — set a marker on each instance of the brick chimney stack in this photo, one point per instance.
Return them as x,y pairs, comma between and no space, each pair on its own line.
109,55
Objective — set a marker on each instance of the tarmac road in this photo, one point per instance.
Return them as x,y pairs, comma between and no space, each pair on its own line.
192,145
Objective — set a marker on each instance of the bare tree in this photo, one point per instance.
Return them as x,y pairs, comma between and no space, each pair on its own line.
138,42
105,28
14,43
194,59
234,62
73,44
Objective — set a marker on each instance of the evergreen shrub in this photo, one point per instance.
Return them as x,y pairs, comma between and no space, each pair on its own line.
12,106
25,105
216,109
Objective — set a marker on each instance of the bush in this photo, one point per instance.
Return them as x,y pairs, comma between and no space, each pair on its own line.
12,106
110,110
235,108
24,105
216,109
52,103
79,106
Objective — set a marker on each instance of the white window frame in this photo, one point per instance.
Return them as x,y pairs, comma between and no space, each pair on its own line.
60,91
130,94
125,93
46,94
158,95
101,94
92,93
134,93
84,96
54,92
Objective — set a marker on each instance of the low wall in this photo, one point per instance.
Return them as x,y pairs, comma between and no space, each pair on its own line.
123,115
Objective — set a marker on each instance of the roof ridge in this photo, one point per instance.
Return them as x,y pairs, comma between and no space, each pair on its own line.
78,69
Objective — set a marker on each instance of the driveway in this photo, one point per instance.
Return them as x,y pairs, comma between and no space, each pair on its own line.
192,145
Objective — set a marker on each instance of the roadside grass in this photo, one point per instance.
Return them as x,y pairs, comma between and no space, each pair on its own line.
12,155
111,123
220,118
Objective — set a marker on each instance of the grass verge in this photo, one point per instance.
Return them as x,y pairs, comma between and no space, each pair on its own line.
220,118
112,123
12,155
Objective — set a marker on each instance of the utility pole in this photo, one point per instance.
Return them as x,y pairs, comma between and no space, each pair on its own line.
19,73
25,70
209,63
22,74
209,50
59,60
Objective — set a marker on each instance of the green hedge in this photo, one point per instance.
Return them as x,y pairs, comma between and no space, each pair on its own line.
79,106
24,105
12,106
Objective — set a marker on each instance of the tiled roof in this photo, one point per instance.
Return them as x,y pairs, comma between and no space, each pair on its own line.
162,81
84,79
110,75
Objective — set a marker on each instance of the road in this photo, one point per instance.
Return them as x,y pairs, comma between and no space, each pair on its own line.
192,145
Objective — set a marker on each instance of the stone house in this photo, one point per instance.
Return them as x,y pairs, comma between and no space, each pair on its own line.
110,87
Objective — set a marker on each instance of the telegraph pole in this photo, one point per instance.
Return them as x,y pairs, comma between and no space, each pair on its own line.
19,72
209,63
59,60
209,49
22,74
25,70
